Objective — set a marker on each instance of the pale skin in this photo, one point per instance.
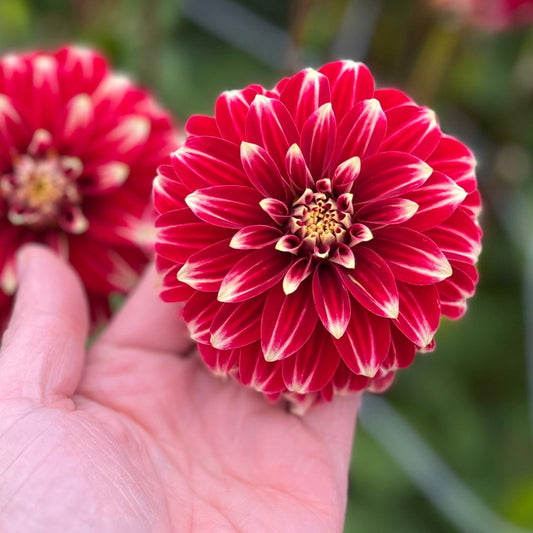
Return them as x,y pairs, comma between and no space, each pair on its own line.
135,435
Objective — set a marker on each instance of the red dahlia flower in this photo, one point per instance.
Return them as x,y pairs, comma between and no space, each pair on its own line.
491,14
78,150
317,232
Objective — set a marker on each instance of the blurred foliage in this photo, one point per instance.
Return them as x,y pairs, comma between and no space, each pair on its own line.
468,399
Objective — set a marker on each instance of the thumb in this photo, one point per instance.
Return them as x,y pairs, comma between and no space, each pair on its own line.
43,349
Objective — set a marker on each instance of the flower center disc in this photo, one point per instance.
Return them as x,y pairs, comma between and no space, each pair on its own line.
41,193
317,220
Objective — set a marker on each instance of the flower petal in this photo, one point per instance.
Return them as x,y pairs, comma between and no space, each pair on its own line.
401,353
255,273
304,93
270,125
412,129
256,372
372,283
296,274
230,111
318,140
365,343
221,362
389,174
252,237
299,174
459,237
179,242
453,158
287,322
350,82
312,367
345,175
206,269
437,199
419,313
262,171
332,301
229,206
385,212
412,257
209,161
237,324
198,313
202,125
361,131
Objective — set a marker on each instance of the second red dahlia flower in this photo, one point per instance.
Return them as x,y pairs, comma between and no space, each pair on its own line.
317,232
79,146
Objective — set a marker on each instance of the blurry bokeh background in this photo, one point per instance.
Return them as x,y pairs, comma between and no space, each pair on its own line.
449,448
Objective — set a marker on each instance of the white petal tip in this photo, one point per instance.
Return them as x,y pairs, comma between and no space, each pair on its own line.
271,356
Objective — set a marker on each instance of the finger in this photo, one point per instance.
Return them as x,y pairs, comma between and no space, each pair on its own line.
334,422
43,349
146,322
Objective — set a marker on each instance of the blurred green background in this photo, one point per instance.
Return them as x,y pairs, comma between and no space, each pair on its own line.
467,401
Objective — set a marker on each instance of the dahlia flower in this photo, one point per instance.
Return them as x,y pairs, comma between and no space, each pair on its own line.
316,233
491,14
79,149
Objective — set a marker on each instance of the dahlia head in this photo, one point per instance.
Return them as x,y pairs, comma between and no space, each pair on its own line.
316,233
490,14
79,147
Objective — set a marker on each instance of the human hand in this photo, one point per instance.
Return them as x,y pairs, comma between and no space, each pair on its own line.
137,436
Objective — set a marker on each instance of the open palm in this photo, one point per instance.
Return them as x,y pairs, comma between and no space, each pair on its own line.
138,436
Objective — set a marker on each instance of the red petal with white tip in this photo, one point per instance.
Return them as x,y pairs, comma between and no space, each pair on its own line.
332,301
437,200
198,313
412,129
296,274
372,283
343,256
389,174
361,131
453,158
276,210
419,313
345,175
412,257
401,352
304,93
168,193
255,273
257,373
179,242
270,125
206,269
312,367
236,325
263,172
299,174
287,321
454,291
318,140
77,124
350,82
388,211
252,237
230,111
366,342
459,237
209,160
229,206
221,362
